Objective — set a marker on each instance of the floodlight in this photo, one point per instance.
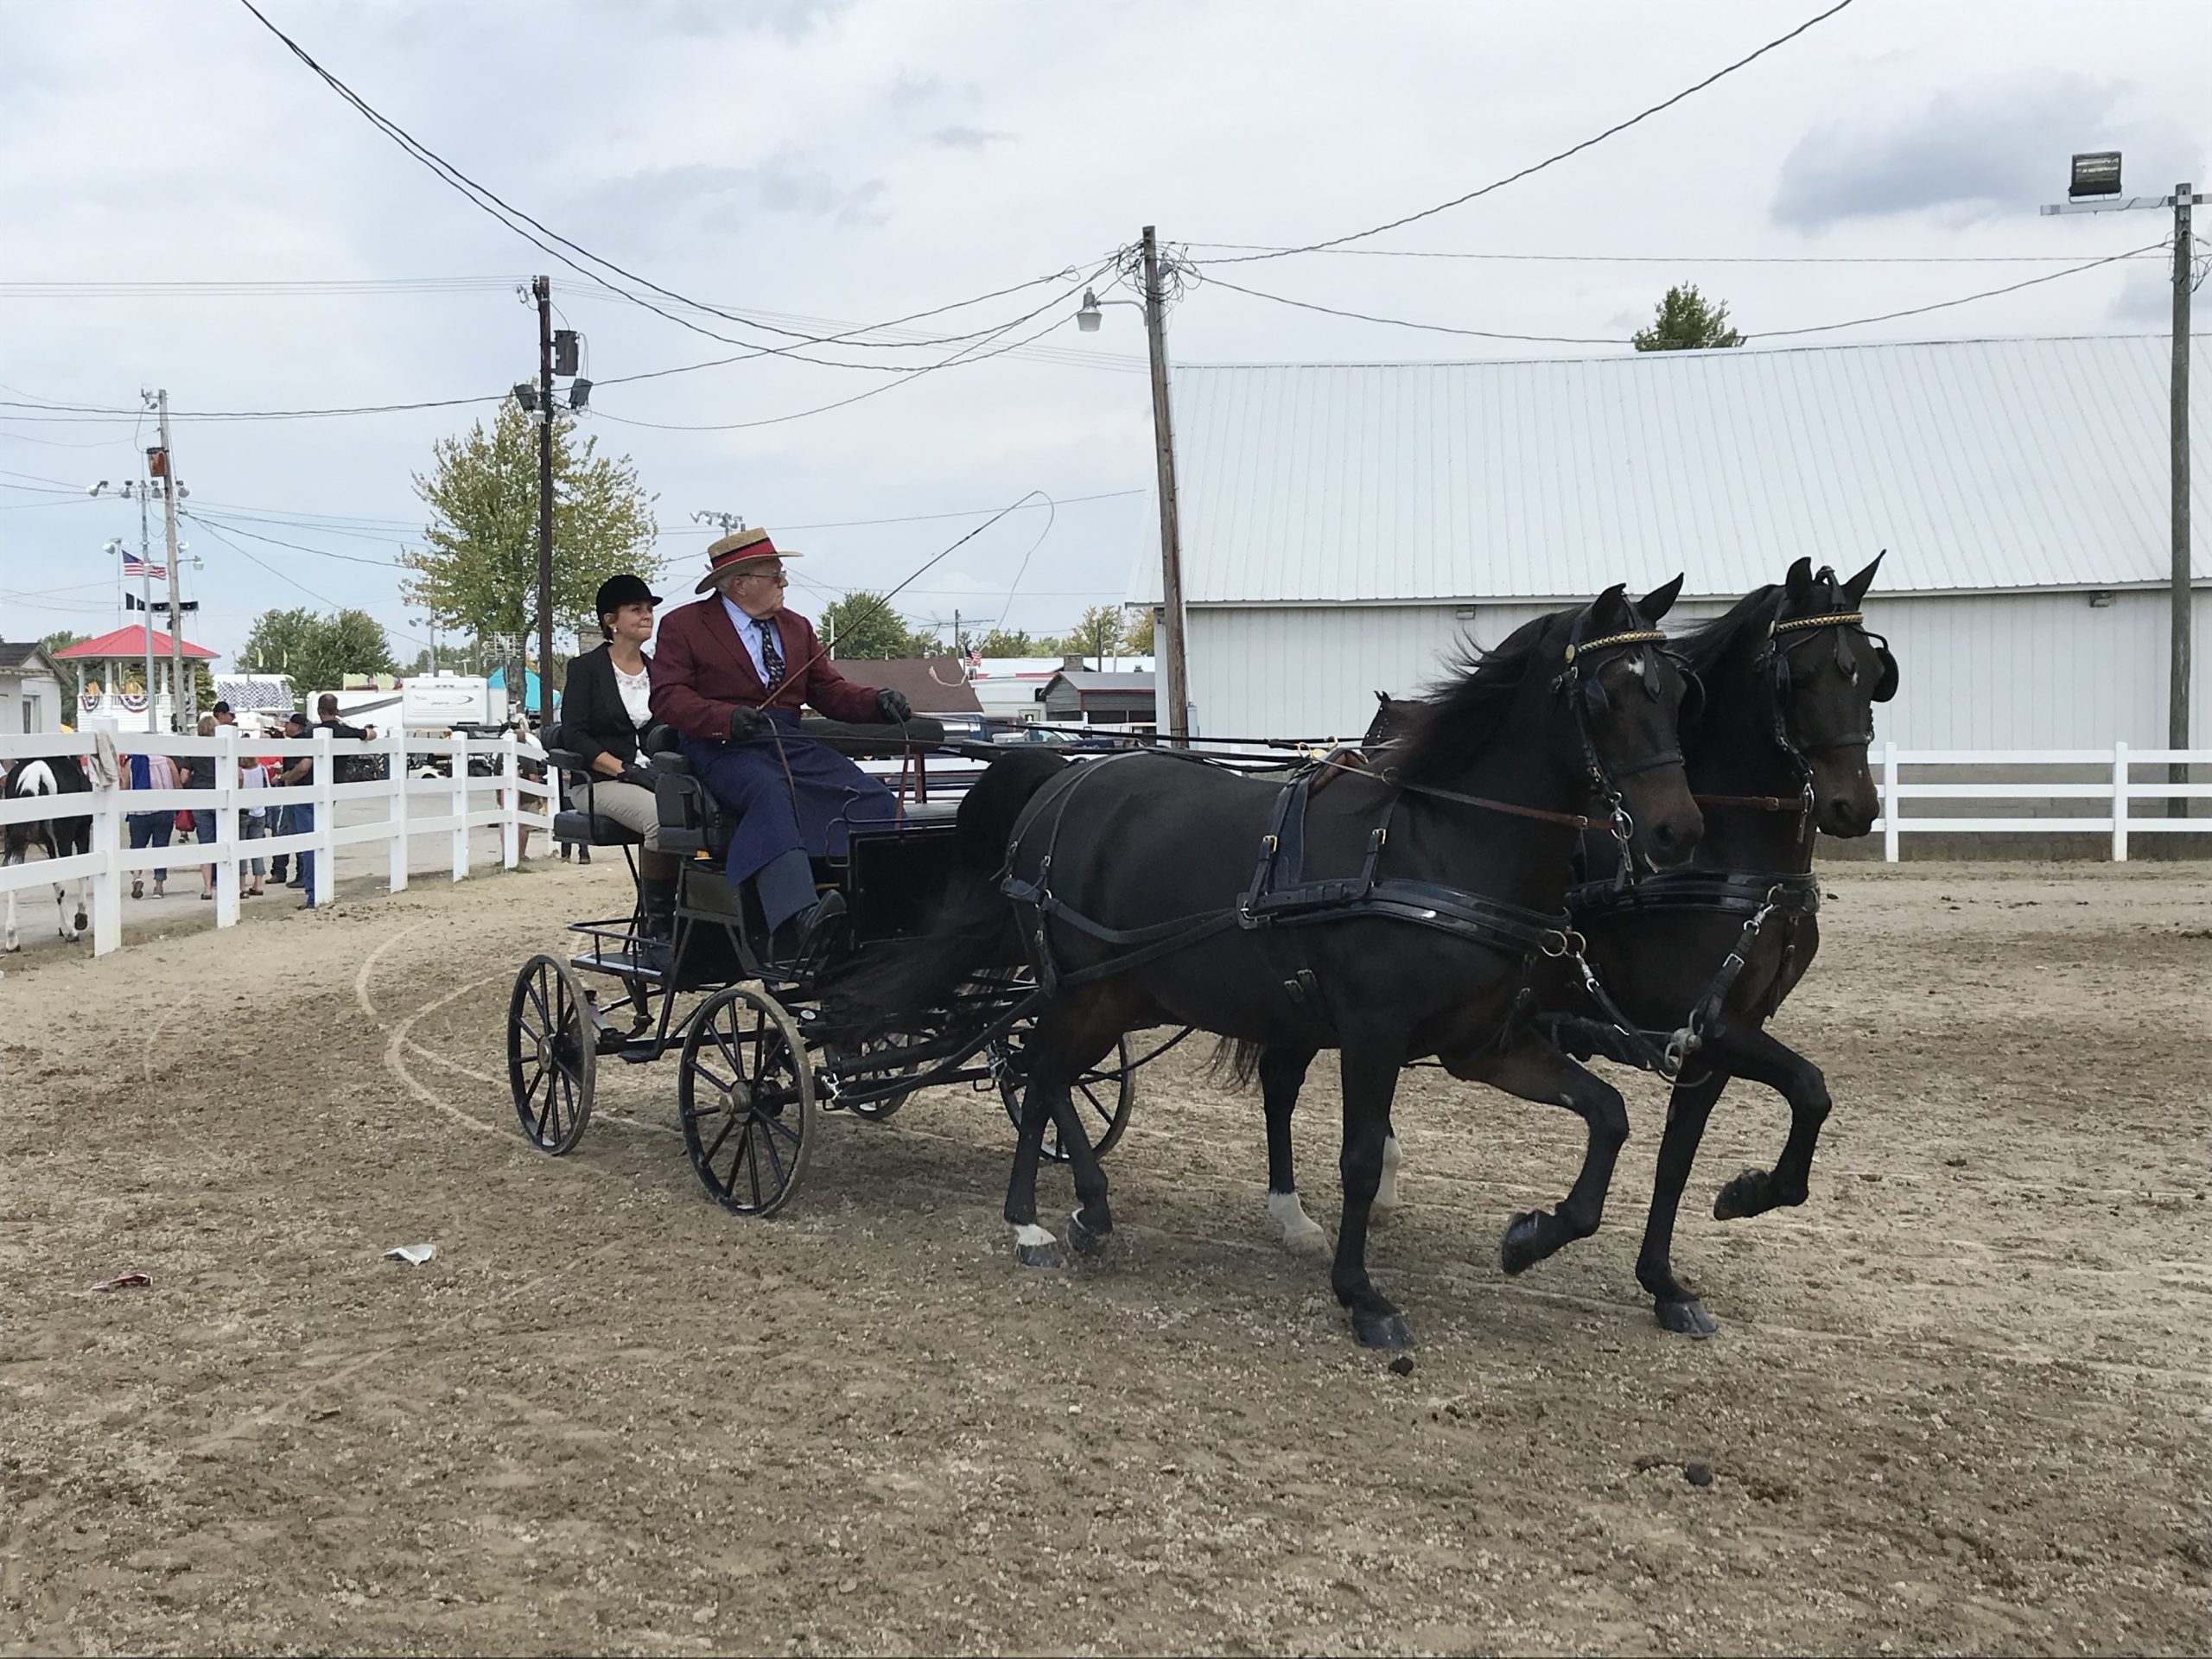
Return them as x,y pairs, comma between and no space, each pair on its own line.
2096,173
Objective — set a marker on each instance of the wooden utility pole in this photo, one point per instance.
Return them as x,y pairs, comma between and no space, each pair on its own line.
1171,542
2177,418
180,718
543,287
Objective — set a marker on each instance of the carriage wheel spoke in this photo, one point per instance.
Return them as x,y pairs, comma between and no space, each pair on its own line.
537,996
768,1145
752,1164
728,1124
777,1125
700,1068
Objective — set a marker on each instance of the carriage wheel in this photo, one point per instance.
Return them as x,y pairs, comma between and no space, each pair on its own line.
1102,1097
552,1054
745,1091
875,1112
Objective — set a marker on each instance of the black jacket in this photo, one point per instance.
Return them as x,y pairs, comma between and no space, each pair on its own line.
592,720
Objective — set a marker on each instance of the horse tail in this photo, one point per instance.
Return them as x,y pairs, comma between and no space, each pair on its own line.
971,926
1236,1059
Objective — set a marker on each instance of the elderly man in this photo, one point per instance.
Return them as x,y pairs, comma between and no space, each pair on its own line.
730,674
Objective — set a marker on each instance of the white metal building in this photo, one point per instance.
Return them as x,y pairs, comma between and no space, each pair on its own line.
1344,526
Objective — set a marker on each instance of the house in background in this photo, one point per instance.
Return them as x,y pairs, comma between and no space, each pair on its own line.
32,696
1083,696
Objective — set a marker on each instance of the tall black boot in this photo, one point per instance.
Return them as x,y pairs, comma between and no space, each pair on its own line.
657,921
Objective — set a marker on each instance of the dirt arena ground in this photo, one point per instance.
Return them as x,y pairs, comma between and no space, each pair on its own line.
1958,1401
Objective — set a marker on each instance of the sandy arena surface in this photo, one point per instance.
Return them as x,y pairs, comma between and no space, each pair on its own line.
1958,1401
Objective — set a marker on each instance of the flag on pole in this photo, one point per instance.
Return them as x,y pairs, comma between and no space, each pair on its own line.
135,566
974,659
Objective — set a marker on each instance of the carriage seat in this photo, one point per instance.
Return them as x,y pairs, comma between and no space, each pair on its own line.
580,827
693,821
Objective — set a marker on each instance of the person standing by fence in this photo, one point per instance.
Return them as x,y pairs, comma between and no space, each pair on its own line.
198,773
150,828
300,815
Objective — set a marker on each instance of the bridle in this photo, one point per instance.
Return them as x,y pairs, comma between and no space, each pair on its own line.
1584,698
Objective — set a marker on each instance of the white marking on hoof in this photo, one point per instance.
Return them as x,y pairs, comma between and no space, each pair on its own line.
1301,1232
1030,1235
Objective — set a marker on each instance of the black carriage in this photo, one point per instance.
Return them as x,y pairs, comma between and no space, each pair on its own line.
759,1061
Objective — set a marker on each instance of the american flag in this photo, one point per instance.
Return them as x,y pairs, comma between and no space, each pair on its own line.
135,566
974,659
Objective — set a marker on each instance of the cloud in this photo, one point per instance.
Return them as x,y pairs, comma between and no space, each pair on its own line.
2146,299
1995,149
959,138
790,21
720,198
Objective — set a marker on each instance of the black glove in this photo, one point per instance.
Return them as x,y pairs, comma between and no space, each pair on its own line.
893,706
744,722
638,775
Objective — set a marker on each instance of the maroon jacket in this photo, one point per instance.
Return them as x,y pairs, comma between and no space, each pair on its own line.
702,671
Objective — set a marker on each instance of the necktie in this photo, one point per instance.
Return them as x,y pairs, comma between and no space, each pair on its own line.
771,658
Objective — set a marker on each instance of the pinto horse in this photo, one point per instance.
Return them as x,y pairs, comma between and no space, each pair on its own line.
1393,916
60,836
1777,749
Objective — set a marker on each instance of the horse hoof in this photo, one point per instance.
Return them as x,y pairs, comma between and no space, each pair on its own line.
1307,1241
1388,1332
1047,1255
1090,1245
1744,1196
1687,1317
1517,1251
1382,1215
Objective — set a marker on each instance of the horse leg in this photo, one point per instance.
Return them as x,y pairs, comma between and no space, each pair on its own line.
1386,1195
1033,1246
1282,1073
1370,1077
1687,1108
1754,1054
10,861
83,922
1535,1071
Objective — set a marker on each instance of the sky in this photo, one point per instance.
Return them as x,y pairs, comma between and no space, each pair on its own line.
824,164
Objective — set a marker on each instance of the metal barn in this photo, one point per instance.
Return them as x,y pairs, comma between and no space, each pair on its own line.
1345,527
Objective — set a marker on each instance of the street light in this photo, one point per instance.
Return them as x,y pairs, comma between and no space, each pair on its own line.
2096,173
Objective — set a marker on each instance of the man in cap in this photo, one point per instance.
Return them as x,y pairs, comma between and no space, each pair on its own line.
730,674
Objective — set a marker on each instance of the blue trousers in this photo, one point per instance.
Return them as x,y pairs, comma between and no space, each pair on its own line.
152,829
302,820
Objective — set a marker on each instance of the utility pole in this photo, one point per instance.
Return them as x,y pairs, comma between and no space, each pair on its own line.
2094,188
1171,544
543,287
178,711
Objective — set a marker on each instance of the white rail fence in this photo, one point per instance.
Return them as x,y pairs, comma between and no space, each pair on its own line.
463,803
2114,790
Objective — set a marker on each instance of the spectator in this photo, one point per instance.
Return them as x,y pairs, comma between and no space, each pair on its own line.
150,828
198,772
301,771
254,823
326,709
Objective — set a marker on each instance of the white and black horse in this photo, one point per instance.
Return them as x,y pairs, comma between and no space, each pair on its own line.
62,835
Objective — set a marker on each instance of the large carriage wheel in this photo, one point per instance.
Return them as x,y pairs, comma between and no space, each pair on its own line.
1102,1097
552,1053
745,1091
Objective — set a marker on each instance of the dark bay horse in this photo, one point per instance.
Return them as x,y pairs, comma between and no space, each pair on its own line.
1778,748
1392,917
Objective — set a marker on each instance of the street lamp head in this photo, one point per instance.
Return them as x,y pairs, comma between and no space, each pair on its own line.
1088,318
95,489
2096,173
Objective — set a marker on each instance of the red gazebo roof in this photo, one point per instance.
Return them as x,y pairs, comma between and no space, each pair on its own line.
129,644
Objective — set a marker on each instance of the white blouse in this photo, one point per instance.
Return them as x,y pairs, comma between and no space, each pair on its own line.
637,691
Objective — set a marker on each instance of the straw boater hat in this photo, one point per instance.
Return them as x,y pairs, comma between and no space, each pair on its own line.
733,553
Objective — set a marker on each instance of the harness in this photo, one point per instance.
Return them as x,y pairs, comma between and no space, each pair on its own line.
1280,896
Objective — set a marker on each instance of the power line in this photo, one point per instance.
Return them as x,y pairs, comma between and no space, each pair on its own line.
1403,322
1554,159
296,583
254,287
297,547
1672,259
1939,305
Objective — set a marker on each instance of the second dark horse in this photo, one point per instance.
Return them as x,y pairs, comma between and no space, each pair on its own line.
1394,916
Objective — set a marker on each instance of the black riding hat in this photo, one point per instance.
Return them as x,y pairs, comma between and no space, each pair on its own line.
626,589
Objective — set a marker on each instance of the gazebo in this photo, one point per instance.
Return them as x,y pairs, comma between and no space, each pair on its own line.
111,676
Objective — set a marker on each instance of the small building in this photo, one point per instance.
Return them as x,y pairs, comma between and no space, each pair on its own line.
33,698
1011,688
113,667
934,685
1083,696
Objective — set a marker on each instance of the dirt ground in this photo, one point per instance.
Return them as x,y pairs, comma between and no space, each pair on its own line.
1958,1401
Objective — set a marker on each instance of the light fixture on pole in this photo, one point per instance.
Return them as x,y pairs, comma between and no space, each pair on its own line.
2093,187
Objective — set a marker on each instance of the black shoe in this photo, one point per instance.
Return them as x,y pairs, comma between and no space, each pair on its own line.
812,931
584,854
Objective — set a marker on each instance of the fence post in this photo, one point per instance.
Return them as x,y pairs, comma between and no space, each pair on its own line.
2120,803
325,818
396,805
108,840
459,806
1890,829
227,828
511,801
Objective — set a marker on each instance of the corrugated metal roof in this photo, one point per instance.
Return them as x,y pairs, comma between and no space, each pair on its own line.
1978,464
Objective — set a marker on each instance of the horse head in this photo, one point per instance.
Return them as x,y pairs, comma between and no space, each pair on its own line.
1825,673
1626,693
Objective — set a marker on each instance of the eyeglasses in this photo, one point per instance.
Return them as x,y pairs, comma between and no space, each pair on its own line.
780,577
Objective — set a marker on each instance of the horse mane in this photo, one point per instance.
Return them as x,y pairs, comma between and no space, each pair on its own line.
1446,728
1708,643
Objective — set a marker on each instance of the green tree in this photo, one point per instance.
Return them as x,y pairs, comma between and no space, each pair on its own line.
1098,635
452,659
316,652
61,640
479,572
862,628
1686,321
1010,642
1137,632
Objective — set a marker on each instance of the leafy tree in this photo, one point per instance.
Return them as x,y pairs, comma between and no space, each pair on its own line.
1686,322
1137,632
861,628
1011,642
480,570
1098,635
452,659
61,640
317,653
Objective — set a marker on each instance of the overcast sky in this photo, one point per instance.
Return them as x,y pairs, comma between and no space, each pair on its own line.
854,161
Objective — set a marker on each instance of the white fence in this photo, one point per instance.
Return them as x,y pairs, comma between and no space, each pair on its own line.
463,803
2115,792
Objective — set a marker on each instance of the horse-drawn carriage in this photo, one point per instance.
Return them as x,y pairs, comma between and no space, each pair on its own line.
759,1059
